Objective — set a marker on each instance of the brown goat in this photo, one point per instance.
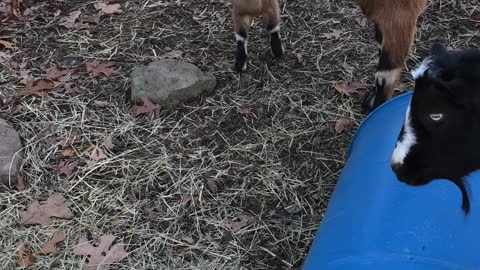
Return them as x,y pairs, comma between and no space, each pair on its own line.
395,26
243,11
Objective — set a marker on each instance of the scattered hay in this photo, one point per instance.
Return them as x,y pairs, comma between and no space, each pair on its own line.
264,146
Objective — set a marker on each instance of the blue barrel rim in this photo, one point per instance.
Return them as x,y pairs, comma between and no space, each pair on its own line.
376,110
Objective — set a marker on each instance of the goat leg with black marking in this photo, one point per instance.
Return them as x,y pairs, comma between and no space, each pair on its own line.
395,26
243,11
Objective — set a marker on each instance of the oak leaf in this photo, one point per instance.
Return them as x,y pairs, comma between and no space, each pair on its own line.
98,69
54,73
38,87
147,107
349,89
95,156
25,257
240,223
342,124
50,246
102,254
4,43
67,169
109,9
55,206
69,21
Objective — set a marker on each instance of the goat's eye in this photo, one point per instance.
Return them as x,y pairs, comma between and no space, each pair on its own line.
436,116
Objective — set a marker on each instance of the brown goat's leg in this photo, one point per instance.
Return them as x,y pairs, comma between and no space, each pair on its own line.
241,26
396,44
272,19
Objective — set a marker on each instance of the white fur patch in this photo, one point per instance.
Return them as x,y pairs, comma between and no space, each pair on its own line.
406,142
275,29
239,38
244,41
424,66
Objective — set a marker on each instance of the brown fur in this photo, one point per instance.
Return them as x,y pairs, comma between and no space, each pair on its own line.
396,19
244,10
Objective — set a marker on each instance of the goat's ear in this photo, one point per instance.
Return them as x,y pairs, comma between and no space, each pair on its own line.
438,49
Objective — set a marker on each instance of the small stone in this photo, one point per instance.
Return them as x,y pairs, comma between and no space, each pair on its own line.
169,81
10,154
293,209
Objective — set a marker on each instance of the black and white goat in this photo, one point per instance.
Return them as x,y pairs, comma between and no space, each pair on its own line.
395,26
440,138
242,13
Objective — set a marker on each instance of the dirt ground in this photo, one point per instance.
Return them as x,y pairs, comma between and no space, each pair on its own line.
236,180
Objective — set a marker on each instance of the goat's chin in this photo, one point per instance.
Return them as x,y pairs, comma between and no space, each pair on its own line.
415,180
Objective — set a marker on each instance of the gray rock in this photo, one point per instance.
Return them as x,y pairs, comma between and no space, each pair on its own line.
10,155
169,81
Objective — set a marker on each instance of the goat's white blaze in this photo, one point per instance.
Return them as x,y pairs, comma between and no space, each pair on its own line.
406,141
425,65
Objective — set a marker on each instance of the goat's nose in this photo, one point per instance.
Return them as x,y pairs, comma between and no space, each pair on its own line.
395,167
399,172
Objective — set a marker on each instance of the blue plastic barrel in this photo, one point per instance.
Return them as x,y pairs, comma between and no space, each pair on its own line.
373,221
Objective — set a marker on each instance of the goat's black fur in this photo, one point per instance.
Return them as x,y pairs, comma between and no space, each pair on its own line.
448,147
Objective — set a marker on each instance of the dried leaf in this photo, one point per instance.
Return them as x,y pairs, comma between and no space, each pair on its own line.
54,73
31,10
37,87
147,107
70,87
50,246
55,206
5,43
95,156
475,16
26,258
67,169
109,9
108,143
68,153
69,21
103,254
349,89
98,69
243,221
342,124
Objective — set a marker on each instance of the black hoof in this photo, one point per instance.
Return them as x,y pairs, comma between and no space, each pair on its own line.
237,68
277,51
368,101
276,45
